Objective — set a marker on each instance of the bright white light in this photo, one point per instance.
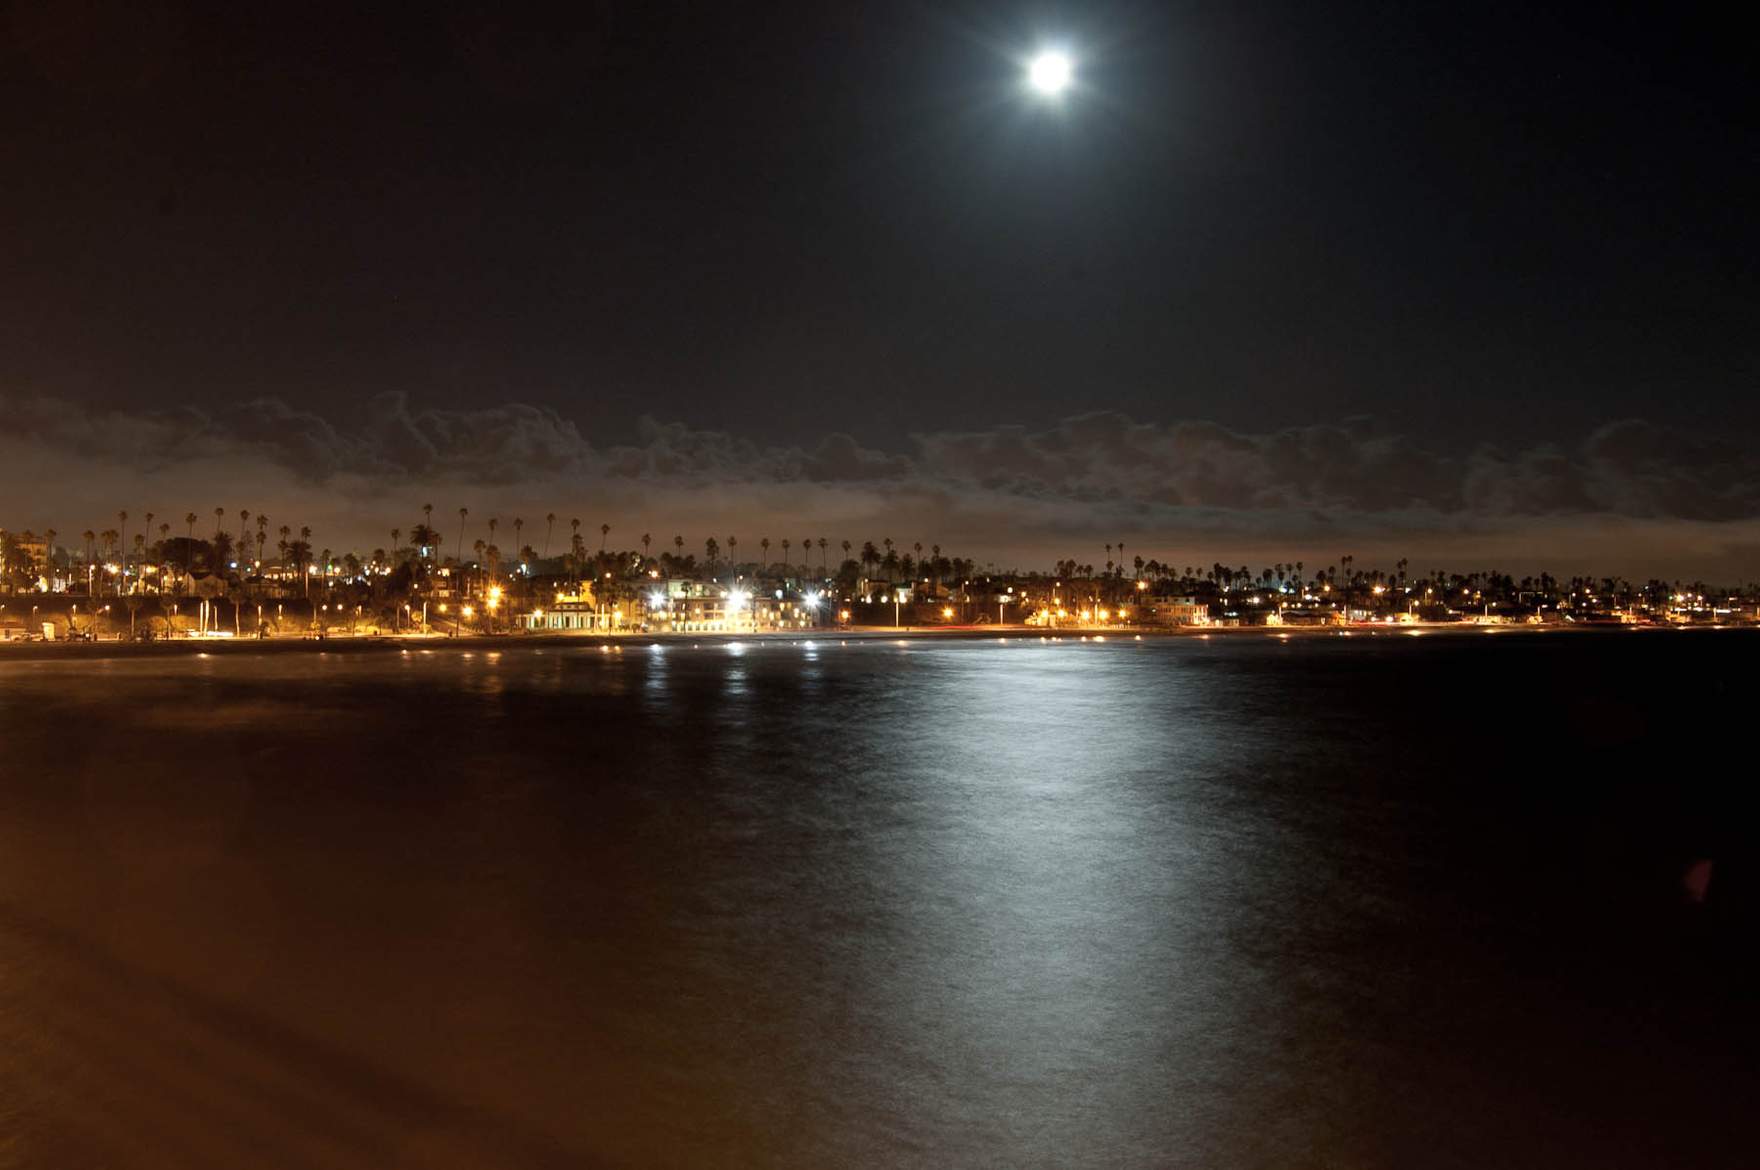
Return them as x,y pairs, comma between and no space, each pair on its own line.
736,600
1050,72
813,599
656,601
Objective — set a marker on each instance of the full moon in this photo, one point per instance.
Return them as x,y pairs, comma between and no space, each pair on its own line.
1049,73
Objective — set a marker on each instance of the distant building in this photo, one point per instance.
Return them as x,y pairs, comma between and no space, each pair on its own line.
782,613
568,612
692,607
1301,615
1175,611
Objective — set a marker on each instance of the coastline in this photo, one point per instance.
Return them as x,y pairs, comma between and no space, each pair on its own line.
29,651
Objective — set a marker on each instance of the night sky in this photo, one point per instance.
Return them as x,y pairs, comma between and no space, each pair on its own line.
1462,229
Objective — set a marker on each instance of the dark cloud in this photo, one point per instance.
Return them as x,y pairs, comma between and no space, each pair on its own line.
1630,468
390,441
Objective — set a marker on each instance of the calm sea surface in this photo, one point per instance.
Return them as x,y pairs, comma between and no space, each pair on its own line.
1364,902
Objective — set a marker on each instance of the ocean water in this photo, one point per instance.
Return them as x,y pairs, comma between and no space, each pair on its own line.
1353,902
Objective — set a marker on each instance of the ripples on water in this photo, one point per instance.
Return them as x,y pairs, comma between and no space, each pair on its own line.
1239,903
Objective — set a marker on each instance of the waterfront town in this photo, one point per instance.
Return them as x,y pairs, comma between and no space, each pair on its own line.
239,575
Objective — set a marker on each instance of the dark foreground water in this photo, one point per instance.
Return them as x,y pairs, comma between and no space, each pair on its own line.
1239,903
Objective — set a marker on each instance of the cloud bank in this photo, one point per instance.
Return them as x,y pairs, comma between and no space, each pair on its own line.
1630,491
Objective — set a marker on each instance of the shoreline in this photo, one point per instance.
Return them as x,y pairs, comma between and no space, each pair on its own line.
25,651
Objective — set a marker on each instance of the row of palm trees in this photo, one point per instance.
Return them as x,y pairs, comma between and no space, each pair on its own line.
885,560
118,558
425,539
108,551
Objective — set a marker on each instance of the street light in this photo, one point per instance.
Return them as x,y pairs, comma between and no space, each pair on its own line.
736,601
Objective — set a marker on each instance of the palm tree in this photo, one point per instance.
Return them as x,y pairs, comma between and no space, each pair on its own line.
305,540
678,546
189,544
134,595
604,531
764,543
785,566
518,527
645,539
122,538
492,523
824,564
549,527
396,538
219,519
462,513
89,536
732,553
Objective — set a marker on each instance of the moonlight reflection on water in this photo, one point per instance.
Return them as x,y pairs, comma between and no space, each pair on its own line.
1227,903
